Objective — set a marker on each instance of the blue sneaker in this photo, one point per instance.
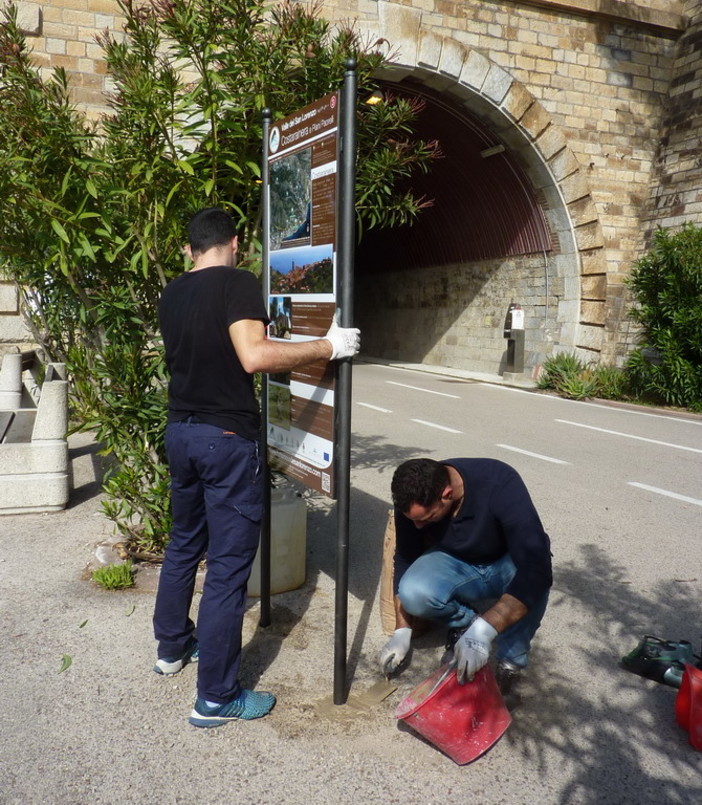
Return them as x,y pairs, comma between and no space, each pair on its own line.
248,705
173,665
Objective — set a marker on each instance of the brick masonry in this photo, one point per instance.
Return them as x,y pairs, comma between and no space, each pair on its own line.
598,100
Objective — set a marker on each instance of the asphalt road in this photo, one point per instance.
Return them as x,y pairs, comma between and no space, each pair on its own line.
616,476
627,561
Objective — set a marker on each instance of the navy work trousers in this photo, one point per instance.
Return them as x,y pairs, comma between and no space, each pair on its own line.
217,501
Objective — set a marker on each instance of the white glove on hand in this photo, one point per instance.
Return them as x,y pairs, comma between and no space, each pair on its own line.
345,341
395,650
473,649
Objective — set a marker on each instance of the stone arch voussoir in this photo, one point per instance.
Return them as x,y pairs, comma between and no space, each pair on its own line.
526,125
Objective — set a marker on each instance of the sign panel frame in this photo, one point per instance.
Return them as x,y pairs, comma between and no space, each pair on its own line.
300,287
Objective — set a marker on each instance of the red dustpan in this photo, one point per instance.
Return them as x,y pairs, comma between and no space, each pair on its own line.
464,721
688,704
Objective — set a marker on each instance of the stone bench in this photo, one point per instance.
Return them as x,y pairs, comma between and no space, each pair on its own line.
34,462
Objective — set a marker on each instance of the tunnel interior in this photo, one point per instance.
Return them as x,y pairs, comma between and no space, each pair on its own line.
436,291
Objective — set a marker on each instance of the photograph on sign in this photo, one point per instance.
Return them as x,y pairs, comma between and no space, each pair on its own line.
290,191
279,405
280,313
303,270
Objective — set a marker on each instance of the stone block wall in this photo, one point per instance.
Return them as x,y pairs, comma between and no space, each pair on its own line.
13,330
454,316
63,33
677,187
587,83
594,78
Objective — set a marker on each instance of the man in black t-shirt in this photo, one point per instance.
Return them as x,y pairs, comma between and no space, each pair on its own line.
213,324
470,553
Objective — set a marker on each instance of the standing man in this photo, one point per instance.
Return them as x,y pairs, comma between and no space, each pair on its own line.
471,553
213,323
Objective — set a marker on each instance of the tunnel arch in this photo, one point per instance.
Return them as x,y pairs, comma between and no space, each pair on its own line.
464,326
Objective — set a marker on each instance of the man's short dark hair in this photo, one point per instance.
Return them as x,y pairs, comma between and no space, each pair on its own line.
210,227
419,480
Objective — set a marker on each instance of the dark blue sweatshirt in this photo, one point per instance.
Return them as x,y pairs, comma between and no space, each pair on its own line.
497,516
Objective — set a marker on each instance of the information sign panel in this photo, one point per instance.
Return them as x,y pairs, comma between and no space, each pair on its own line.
302,155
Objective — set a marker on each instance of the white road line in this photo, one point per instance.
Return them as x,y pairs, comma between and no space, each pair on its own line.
630,436
438,427
521,391
665,492
533,455
669,417
375,408
590,404
418,388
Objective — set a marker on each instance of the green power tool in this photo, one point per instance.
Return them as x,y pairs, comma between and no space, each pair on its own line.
661,660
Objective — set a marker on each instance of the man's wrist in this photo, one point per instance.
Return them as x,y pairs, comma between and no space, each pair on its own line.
480,629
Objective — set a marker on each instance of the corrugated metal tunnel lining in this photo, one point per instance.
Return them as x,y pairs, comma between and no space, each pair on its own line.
484,206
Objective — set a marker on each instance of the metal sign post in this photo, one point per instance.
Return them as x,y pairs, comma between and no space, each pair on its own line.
265,547
345,261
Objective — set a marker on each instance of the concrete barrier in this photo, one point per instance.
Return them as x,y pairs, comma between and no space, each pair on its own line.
33,446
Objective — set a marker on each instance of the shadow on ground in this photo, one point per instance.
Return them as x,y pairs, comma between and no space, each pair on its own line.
606,735
366,530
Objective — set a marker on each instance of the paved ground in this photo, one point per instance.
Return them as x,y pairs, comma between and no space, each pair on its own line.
108,730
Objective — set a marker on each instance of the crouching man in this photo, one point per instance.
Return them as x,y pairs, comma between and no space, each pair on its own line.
471,554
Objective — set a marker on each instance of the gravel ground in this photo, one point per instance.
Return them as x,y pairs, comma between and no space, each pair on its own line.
109,731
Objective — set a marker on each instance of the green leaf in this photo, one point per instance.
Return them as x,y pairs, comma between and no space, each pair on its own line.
66,179
87,247
83,624
233,166
59,230
172,192
66,662
90,187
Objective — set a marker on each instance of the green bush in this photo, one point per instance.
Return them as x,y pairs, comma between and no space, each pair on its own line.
93,214
114,577
579,387
611,383
567,375
667,288
559,369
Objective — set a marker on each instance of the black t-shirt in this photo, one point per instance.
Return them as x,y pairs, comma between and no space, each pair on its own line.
207,378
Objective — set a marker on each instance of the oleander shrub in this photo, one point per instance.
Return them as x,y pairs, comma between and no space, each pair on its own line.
93,213
667,287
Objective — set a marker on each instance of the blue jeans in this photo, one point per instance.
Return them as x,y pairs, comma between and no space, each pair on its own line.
217,500
440,587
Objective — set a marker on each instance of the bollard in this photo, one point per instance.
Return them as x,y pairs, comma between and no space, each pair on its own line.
515,352
11,382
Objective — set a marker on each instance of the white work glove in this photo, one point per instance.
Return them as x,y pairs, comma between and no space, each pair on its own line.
395,650
345,341
473,649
